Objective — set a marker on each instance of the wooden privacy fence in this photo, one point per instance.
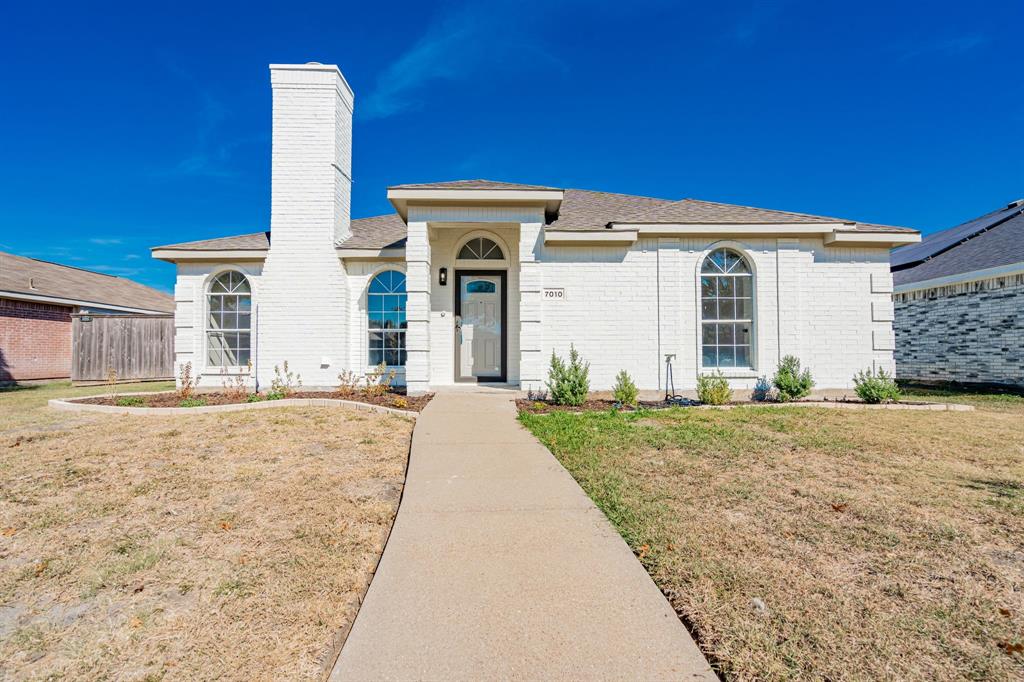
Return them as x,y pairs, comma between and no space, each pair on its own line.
136,347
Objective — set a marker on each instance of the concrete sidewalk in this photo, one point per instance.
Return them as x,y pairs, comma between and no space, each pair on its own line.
500,567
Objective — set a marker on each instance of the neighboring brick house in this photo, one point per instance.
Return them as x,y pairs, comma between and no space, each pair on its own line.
476,280
959,299
37,299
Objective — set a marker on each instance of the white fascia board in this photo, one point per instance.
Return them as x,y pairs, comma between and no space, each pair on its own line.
961,277
39,298
886,238
175,255
731,228
371,254
474,195
592,237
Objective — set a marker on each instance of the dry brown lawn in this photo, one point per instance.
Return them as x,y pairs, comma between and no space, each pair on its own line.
231,546
803,543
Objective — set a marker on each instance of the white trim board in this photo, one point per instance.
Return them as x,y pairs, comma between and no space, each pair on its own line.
962,277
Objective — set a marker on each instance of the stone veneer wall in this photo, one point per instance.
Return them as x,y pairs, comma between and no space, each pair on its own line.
971,332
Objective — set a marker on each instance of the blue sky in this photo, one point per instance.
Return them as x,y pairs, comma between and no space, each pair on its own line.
128,126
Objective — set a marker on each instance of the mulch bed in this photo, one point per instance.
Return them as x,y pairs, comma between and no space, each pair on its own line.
396,399
604,404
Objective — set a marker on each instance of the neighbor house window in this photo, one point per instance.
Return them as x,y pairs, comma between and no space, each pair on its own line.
385,306
726,310
481,248
229,321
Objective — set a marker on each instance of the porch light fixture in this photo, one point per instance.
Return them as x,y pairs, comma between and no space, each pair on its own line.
442,276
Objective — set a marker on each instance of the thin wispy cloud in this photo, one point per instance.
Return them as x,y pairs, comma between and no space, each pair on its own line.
105,241
949,46
115,270
211,153
462,41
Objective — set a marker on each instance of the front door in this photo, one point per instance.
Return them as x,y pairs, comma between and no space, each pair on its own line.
480,325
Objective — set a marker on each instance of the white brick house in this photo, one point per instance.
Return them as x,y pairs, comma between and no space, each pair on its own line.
480,281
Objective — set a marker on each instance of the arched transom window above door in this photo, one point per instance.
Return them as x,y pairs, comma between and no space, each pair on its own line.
726,310
481,248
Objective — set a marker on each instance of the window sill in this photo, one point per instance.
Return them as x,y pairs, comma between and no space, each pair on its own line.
731,372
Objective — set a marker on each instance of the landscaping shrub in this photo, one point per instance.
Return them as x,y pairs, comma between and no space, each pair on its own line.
762,390
235,384
131,401
713,389
378,381
255,398
877,387
192,402
284,383
348,383
399,402
569,383
187,384
625,391
791,381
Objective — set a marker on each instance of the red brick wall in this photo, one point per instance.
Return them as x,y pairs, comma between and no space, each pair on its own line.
35,341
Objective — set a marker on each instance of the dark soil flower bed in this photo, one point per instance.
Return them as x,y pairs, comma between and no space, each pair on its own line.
395,399
591,405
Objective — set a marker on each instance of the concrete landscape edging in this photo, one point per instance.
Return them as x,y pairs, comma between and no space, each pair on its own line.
74,406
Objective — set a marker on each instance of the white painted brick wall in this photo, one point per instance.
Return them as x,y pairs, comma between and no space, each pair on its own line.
626,307
305,304
190,312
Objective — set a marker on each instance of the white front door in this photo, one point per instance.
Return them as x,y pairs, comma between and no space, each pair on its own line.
479,330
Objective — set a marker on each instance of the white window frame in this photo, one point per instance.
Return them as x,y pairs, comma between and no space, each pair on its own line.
403,348
207,329
749,369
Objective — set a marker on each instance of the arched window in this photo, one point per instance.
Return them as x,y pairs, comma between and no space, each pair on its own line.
726,310
228,321
385,307
481,248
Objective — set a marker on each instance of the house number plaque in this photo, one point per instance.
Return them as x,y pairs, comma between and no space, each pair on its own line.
554,294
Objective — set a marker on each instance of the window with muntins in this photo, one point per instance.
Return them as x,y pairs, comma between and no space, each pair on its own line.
385,305
726,310
481,248
229,321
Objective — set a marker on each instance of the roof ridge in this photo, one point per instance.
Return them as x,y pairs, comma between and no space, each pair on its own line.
621,194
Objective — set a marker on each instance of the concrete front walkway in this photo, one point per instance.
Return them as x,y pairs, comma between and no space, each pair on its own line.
500,567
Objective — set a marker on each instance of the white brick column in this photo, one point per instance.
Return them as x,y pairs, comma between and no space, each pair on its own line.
531,339
417,286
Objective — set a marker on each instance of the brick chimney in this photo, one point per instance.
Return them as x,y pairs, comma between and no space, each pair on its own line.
303,292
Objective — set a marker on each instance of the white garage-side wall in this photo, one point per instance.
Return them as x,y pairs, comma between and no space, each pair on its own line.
190,308
626,307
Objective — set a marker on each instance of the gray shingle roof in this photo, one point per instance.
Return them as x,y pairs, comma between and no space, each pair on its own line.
581,210
474,184
378,232
587,210
41,278
255,241
695,211
1001,244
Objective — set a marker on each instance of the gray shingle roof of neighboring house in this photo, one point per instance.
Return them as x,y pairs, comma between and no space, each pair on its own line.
989,241
31,277
581,210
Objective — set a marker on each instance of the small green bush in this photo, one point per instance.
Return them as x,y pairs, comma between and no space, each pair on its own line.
254,398
713,389
131,401
790,381
569,383
625,391
192,402
877,387
275,395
